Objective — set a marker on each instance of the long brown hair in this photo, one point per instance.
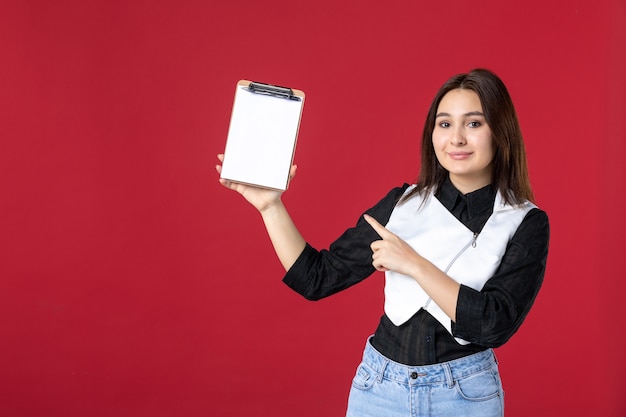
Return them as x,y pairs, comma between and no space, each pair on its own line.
510,172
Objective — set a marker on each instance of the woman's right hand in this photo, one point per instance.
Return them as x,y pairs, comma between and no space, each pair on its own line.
261,198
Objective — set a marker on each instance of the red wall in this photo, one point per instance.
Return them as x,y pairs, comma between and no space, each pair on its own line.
132,283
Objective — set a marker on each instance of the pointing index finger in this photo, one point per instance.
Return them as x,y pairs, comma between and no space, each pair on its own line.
378,228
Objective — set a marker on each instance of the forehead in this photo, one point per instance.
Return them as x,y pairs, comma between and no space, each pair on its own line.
460,101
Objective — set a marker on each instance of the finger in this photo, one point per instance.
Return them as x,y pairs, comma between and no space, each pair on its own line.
292,171
226,183
378,228
218,168
379,266
377,245
377,261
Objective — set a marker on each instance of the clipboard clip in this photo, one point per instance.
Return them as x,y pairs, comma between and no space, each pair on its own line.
272,90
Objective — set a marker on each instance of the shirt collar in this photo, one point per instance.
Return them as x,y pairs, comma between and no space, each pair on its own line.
477,201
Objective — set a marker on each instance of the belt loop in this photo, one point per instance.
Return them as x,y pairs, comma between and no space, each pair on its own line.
448,372
381,373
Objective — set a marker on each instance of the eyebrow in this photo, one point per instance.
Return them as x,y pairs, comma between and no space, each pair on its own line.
472,113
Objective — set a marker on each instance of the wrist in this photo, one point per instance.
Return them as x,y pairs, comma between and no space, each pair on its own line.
272,209
419,267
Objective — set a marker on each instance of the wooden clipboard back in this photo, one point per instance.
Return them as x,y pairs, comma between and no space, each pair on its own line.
262,135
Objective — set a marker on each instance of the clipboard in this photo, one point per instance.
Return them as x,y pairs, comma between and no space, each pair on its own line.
262,135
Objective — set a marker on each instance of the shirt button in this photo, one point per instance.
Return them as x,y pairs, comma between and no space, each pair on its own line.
413,375
429,339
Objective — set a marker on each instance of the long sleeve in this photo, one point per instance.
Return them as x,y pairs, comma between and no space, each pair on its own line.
489,317
348,260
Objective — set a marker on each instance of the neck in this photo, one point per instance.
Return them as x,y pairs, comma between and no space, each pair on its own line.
467,185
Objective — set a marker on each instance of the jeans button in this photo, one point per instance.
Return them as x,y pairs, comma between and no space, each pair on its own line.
413,375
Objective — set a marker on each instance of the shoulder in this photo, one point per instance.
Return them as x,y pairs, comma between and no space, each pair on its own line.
399,191
381,211
533,234
392,197
536,219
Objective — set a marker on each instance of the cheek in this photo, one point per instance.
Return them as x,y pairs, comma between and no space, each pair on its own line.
437,151
491,149
439,145
487,146
438,141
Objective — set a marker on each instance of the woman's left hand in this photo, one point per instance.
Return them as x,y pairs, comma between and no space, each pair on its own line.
392,253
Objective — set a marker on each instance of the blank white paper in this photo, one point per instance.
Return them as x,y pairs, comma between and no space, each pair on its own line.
261,139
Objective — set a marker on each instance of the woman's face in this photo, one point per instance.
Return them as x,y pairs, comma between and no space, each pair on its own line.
462,140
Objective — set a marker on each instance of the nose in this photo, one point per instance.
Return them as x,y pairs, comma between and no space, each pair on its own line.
458,136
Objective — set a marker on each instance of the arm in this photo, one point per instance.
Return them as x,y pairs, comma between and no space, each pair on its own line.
284,235
286,239
348,260
490,317
391,253
316,274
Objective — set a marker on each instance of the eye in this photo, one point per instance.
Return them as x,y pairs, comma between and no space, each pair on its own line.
444,124
474,124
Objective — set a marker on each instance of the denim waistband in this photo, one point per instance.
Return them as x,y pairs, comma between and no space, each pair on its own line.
445,372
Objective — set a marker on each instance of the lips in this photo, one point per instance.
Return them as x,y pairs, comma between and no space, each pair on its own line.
459,155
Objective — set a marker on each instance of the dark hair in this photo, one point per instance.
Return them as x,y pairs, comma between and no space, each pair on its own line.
510,172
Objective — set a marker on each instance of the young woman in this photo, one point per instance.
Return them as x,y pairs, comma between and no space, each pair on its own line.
464,253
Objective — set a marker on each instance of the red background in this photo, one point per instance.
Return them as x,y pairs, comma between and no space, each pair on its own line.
132,283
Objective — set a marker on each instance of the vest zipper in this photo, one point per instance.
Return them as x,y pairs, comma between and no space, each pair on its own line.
471,243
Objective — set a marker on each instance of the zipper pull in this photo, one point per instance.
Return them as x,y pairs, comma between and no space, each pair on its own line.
474,240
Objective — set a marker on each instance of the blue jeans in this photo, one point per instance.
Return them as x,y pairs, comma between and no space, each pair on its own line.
469,386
